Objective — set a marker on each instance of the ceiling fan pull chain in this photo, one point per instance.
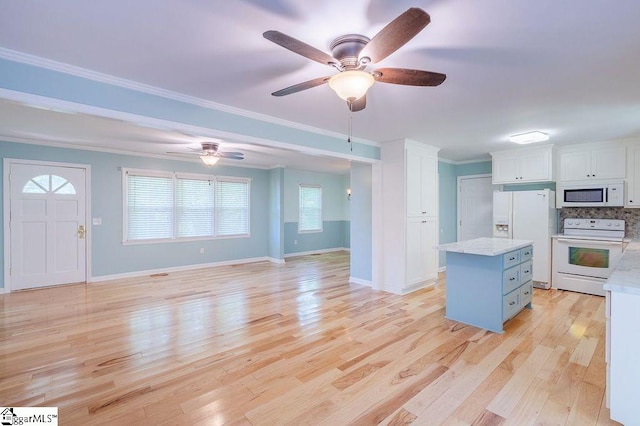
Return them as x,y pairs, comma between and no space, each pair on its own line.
350,128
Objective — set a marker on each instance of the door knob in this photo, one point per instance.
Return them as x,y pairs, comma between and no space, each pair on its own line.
81,231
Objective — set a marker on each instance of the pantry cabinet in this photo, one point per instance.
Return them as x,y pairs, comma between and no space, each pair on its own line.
524,165
580,163
409,216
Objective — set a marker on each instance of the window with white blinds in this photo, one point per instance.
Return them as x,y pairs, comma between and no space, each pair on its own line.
310,208
232,207
194,205
149,207
168,206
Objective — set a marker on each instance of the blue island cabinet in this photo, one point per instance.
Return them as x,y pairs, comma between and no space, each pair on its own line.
485,290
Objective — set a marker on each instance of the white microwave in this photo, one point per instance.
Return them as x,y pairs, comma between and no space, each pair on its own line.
591,195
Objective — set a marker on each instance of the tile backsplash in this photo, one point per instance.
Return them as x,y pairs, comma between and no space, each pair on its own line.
630,216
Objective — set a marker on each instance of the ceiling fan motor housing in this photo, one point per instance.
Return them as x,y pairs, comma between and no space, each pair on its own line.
210,147
346,49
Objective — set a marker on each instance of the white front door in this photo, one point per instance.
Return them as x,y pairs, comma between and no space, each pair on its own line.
475,207
47,225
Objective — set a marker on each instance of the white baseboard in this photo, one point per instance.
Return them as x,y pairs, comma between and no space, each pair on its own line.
2,290
305,253
176,269
360,281
274,260
442,269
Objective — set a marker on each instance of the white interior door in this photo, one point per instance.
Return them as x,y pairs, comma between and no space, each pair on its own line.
475,207
47,225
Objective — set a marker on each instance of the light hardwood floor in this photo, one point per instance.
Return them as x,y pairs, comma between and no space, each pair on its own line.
265,344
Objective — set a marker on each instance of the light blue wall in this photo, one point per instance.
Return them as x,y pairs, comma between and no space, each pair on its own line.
109,256
335,210
276,210
26,78
448,197
361,226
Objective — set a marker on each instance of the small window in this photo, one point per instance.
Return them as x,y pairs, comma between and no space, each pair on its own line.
310,214
149,207
49,183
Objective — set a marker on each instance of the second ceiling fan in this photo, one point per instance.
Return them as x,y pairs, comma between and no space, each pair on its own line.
352,53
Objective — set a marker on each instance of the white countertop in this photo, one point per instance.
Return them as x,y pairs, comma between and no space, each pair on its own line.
485,246
625,277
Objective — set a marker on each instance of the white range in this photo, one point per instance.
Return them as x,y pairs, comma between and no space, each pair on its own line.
586,253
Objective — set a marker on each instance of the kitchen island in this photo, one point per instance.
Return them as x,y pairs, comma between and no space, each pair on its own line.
622,292
489,280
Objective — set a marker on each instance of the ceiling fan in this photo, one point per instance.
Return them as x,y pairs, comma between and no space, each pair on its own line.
210,155
352,53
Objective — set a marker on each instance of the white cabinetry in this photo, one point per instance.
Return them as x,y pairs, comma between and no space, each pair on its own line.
523,165
632,198
580,163
409,215
623,345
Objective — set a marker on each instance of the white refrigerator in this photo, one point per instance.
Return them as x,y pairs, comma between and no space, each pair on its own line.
528,215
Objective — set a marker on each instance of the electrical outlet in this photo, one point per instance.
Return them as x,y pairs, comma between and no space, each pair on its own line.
201,250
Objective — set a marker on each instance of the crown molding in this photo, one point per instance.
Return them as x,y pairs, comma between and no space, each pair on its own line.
25,58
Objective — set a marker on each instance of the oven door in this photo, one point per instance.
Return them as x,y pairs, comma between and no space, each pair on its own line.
586,257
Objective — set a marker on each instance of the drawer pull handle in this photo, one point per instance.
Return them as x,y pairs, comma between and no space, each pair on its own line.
512,279
512,258
526,272
512,303
526,293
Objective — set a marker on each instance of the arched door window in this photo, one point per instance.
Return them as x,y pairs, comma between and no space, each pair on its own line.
49,183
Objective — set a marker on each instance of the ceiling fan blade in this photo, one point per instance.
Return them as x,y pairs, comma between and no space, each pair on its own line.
396,34
231,154
358,104
231,157
409,77
299,47
301,86
184,153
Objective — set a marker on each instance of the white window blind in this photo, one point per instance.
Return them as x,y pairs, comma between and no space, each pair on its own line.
310,214
169,206
194,207
232,207
149,207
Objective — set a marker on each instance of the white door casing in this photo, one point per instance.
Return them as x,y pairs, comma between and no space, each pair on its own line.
47,235
475,207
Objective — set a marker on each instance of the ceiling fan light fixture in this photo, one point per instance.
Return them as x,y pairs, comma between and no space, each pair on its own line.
209,160
351,85
529,137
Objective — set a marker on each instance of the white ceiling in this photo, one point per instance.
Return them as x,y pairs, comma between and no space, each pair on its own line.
568,68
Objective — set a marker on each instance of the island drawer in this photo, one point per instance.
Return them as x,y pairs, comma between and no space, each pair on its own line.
511,259
526,253
526,271
510,304
526,293
511,279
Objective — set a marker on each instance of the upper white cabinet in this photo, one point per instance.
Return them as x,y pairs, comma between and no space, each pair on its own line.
524,165
580,163
632,198
422,172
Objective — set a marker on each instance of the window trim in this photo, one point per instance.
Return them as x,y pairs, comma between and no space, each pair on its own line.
315,230
175,176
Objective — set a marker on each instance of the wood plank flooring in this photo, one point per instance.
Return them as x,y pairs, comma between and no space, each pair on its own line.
295,344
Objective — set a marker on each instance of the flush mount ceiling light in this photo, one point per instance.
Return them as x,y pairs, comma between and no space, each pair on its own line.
351,85
529,137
